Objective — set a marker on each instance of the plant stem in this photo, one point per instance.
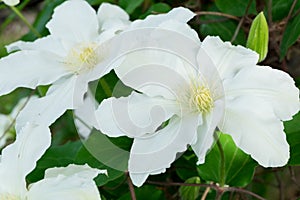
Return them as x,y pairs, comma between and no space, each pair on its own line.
222,160
131,188
21,16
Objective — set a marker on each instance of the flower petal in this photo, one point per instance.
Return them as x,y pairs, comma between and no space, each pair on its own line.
19,158
134,115
156,73
270,85
73,182
205,131
74,21
11,2
64,94
256,130
112,17
156,153
227,58
45,44
174,20
85,118
29,69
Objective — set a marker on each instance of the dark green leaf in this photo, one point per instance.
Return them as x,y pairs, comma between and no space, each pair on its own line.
224,29
157,8
84,156
292,129
146,192
98,151
290,35
190,192
239,167
130,5
281,8
235,7
55,156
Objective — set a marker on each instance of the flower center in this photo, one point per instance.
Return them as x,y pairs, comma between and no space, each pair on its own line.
8,197
201,99
83,57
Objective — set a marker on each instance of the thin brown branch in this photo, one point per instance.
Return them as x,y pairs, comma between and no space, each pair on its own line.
237,30
217,14
218,189
131,188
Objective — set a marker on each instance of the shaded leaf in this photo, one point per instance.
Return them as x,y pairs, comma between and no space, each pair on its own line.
290,35
190,192
146,192
130,5
157,8
292,129
239,167
235,7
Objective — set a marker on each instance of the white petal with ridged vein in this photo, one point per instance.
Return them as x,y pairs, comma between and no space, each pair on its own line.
205,131
74,21
270,85
112,17
256,130
19,158
29,69
74,182
65,94
156,153
134,115
228,59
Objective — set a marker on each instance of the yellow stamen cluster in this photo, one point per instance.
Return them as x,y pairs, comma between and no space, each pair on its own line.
83,57
8,197
201,99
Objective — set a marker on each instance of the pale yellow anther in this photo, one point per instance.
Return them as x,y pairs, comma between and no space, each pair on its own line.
201,99
83,57
9,197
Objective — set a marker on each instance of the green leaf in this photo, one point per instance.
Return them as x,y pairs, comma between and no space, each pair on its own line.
280,9
225,30
292,130
100,152
190,192
258,37
55,156
130,5
146,192
235,7
83,156
239,167
186,165
157,8
290,35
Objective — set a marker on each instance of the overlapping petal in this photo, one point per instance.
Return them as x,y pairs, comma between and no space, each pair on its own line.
74,21
19,158
255,129
74,182
64,94
228,59
134,115
112,17
270,85
162,147
29,69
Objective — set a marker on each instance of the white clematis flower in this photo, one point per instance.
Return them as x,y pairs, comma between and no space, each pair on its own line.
181,102
74,54
19,159
11,2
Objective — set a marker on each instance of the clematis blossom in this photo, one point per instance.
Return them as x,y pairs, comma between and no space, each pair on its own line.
19,159
76,52
182,102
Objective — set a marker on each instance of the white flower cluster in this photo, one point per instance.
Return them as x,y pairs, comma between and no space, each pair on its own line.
184,90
